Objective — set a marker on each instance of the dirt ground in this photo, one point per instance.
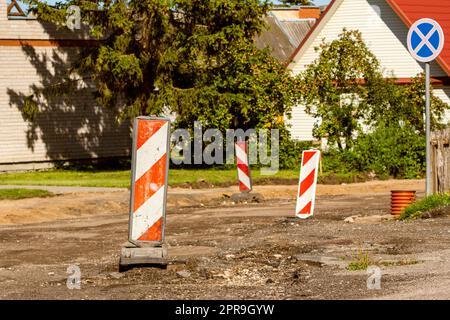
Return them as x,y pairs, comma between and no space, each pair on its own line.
222,250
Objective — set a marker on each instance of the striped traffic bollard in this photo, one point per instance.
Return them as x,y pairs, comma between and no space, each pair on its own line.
245,180
149,180
150,165
306,195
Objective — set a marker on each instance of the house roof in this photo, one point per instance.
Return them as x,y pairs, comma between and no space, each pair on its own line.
409,11
319,24
412,10
296,29
283,36
276,39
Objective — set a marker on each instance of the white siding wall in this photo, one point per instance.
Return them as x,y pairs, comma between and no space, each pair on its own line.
31,29
385,35
301,124
444,95
78,129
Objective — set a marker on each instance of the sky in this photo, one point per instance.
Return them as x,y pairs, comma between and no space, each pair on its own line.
321,2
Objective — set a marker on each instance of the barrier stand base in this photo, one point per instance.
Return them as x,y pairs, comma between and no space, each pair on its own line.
133,257
248,197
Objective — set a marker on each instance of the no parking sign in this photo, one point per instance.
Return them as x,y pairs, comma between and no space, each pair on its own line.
425,40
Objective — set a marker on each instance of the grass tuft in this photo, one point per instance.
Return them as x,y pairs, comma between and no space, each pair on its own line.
418,209
362,261
404,262
17,194
186,178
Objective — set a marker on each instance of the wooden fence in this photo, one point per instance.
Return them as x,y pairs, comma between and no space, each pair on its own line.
440,159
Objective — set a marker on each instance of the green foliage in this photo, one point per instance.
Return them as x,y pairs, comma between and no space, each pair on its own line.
121,178
385,152
393,151
416,210
295,2
195,57
30,108
340,161
346,88
291,150
361,261
336,87
405,104
17,194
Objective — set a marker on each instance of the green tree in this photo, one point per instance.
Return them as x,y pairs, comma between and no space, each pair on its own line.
196,57
335,87
296,3
405,105
345,88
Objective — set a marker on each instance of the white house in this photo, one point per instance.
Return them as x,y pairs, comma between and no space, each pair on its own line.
384,25
35,55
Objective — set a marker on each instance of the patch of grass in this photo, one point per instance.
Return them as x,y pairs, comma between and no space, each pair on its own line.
332,178
121,178
405,262
418,209
195,178
68,178
17,194
361,261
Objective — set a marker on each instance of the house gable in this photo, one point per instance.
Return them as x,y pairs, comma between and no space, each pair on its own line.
382,29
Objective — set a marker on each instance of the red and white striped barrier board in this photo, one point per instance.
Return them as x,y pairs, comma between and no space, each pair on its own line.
245,180
308,183
149,179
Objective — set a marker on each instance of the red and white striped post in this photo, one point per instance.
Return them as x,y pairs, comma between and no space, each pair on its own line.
149,177
306,195
243,167
149,180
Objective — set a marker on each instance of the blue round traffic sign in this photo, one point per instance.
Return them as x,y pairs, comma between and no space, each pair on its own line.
425,40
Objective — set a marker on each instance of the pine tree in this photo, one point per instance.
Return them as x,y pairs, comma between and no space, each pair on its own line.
296,3
196,57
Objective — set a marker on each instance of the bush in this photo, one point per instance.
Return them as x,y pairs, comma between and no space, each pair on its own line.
341,162
291,150
387,151
416,210
394,151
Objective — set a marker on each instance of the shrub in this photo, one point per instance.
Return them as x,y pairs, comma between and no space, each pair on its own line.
361,261
291,150
394,151
416,210
341,162
387,151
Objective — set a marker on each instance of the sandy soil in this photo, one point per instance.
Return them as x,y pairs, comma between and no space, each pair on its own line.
252,251
98,202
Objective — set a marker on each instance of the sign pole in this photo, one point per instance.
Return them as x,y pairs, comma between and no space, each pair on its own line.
428,126
426,41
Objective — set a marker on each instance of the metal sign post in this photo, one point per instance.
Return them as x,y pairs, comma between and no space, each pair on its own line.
428,126
425,43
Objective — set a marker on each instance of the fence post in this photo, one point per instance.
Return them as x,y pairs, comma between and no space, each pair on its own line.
440,161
